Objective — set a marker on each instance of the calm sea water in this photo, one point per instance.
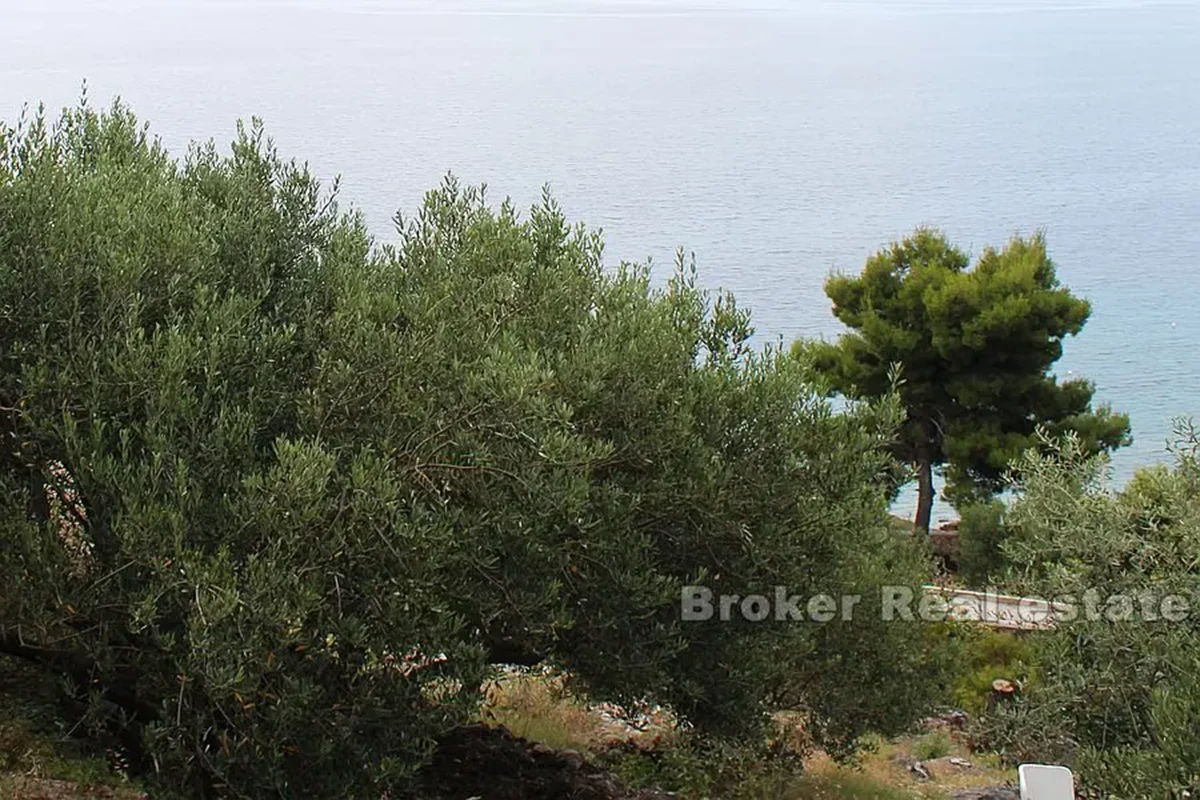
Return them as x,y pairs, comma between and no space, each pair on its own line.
777,140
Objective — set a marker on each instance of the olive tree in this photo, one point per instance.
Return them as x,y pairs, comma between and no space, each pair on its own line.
1118,697
275,496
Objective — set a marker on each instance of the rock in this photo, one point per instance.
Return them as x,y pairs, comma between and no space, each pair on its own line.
948,765
642,717
944,543
950,720
916,767
955,719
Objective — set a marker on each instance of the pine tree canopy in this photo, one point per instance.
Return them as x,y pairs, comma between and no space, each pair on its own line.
975,346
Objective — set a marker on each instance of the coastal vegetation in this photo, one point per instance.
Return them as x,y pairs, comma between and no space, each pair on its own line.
286,511
273,499
1118,695
976,346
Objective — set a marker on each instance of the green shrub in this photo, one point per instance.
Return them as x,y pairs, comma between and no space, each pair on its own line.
1118,698
987,656
934,744
272,497
981,536
693,767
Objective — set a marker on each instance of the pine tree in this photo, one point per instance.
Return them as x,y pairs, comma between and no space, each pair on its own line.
975,347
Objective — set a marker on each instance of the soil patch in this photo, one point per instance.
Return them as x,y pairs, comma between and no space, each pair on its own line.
479,761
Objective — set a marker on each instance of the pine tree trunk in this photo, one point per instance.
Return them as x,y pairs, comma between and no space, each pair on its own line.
924,493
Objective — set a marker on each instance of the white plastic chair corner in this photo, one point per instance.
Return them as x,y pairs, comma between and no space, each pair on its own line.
1042,782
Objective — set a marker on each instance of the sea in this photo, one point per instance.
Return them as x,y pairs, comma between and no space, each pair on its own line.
779,141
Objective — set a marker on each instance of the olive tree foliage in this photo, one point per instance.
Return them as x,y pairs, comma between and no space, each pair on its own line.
274,498
1119,696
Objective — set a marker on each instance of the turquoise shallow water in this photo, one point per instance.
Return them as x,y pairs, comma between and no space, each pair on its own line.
778,141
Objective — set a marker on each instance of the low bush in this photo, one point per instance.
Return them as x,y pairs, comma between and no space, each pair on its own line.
981,535
695,767
934,744
988,655
1118,694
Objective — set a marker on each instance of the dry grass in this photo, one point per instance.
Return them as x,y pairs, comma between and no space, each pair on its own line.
848,786
885,768
539,708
